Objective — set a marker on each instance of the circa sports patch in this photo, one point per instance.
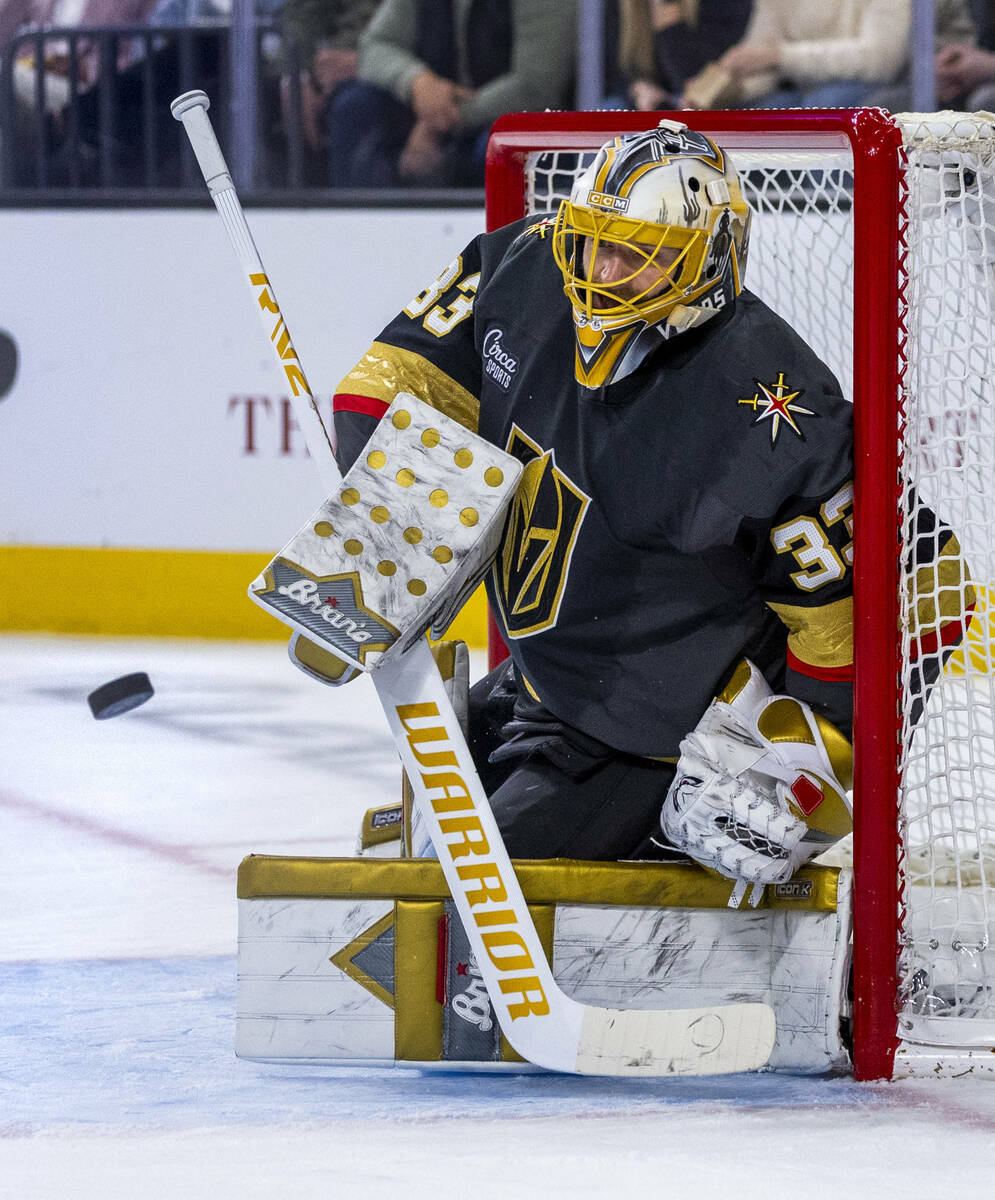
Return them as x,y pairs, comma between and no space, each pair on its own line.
500,364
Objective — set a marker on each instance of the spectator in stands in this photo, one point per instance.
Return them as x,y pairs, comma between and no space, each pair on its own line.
324,36
16,15
954,29
24,16
27,123
206,12
815,53
965,72
433,76
115,151
664,44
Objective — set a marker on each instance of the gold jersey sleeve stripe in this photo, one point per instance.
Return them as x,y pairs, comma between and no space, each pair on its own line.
821,637
385,370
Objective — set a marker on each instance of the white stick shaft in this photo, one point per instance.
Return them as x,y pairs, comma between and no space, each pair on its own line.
535,1016
191,110
414,684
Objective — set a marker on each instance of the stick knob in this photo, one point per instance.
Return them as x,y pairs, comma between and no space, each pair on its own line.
191,109
194,99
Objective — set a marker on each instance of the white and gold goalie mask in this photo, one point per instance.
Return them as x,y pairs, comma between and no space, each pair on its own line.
667,203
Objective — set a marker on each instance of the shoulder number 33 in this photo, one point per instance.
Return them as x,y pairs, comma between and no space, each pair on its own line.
440,319
807,540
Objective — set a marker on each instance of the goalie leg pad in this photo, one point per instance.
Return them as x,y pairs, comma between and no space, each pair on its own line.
410,532
354,961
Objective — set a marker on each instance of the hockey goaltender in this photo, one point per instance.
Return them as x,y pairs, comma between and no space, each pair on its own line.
673,579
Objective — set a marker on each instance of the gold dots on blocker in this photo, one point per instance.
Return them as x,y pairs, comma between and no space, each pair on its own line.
417,587
353,546
379,515
350,496
439,498
376,459
494,477
442,554
412,535
463,458
405,477
469,517
324,529
431,438
386,567
401,419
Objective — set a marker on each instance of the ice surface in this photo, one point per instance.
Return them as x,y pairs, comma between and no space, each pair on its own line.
119,842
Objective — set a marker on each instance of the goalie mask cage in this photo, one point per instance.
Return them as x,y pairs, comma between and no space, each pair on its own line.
870,236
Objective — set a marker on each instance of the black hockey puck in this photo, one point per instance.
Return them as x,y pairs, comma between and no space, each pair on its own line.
120,695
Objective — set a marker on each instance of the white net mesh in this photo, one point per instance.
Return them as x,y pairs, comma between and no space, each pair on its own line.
801,264
948,801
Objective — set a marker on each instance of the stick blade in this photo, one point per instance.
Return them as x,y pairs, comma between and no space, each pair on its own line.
695,1041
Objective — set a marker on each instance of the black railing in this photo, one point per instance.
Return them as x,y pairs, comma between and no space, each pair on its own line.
84,117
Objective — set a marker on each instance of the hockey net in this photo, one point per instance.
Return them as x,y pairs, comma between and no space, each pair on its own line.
875,238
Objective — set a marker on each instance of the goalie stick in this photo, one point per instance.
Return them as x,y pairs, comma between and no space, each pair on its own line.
540,1022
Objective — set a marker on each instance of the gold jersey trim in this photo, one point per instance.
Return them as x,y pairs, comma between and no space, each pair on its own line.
941,591
385,370
821,637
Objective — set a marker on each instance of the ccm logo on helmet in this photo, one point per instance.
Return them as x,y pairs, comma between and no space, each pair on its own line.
604,200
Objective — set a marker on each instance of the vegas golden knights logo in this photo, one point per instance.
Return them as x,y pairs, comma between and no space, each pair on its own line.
543,522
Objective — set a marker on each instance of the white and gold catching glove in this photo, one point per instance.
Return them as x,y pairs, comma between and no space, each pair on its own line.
761,786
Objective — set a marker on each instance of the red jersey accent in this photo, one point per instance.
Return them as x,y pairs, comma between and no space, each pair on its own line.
830,674
348,402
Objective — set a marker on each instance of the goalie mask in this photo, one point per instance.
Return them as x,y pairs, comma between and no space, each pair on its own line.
665,211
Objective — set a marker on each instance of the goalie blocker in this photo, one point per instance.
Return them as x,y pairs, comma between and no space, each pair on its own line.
398,549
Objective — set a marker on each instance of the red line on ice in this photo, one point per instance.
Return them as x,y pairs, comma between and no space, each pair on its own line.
111,833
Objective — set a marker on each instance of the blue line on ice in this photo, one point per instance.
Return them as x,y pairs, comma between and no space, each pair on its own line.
149,1043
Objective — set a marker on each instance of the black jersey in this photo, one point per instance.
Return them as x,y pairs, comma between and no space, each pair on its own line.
697,511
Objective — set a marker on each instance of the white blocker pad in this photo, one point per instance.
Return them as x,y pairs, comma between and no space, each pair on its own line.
364,961
397,549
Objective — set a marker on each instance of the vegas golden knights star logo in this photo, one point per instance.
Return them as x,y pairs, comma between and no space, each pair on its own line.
543,523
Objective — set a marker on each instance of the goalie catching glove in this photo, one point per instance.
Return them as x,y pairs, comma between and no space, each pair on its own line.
761,786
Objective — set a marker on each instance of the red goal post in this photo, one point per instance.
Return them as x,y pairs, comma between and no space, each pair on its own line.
837,184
